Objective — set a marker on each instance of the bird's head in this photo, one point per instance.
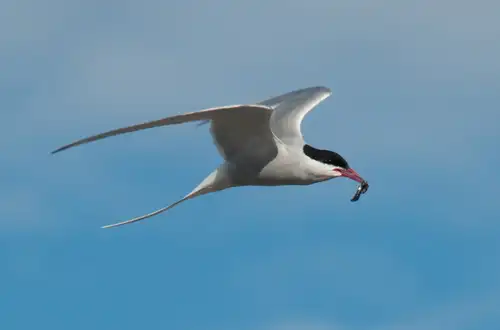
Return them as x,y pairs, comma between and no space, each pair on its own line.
333,164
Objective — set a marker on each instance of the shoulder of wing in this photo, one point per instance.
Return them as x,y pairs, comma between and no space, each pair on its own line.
305,95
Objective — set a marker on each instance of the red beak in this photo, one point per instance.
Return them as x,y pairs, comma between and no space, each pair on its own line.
351,174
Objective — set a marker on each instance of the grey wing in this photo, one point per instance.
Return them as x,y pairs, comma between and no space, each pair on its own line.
203,115
245,137
290,109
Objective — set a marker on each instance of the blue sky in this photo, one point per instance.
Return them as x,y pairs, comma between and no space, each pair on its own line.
415,109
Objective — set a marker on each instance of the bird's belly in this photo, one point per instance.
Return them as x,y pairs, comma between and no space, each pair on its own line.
278,172
285,168
262,181
284,175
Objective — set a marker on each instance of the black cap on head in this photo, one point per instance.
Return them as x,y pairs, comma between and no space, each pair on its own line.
326,156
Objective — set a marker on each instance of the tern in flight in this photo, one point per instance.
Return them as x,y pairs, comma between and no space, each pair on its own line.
261,143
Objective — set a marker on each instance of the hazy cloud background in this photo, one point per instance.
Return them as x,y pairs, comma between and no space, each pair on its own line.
415,109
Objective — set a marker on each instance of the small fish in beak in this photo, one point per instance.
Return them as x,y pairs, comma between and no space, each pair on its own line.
362,188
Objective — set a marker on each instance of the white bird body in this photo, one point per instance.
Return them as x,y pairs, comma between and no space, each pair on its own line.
261,145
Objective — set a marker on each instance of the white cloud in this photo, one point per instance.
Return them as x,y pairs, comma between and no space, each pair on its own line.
473,313
461,315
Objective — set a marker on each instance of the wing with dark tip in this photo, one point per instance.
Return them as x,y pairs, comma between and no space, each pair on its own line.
203,115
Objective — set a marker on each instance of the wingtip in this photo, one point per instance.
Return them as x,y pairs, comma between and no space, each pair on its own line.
108,226
59,150
118,224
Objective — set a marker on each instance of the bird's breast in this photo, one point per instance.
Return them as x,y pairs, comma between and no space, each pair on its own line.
289,169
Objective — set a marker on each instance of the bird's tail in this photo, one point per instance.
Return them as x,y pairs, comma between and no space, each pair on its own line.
216,181
142,217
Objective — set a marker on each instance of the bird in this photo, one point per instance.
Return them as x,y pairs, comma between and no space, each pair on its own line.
261,144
